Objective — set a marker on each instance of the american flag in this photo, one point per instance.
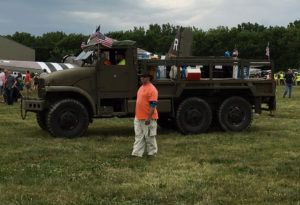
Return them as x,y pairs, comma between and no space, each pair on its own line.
268,50
95,34
105,41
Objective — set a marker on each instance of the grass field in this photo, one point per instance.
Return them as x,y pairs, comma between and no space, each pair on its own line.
258,166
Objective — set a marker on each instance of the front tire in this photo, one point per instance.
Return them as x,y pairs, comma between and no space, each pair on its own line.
68,118
193,116
41,118
235,114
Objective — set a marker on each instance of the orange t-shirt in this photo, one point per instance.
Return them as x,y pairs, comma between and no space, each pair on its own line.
145,95
107,62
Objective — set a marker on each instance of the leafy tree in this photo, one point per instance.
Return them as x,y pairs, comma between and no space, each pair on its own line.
250,40
23,38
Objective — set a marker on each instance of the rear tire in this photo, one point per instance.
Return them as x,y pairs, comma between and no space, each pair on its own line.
68,118
193,116
41,118
235,114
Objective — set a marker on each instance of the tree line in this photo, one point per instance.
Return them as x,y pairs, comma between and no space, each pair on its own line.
250,40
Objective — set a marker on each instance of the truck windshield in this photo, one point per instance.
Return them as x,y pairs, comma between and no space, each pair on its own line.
84,55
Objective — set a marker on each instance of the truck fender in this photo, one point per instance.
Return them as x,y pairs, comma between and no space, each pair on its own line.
74,90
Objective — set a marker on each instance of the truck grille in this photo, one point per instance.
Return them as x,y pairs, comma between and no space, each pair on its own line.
41,88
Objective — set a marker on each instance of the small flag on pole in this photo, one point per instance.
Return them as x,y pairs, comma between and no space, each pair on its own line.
97,29
101,38
268,50
95,34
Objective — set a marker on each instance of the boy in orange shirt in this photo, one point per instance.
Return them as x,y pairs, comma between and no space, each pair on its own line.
145,125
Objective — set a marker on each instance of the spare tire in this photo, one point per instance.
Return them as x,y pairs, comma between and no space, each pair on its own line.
193,116
235,114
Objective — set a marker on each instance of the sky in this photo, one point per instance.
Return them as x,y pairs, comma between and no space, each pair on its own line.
82,16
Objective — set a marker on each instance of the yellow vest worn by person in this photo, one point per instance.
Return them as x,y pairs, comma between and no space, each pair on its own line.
122,62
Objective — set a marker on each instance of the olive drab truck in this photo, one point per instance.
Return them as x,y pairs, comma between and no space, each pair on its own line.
69,100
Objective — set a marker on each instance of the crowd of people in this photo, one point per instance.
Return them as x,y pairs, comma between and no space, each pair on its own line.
11,88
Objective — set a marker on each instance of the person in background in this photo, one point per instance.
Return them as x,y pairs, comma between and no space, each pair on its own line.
281,79
19,82
28,83
121,59
3,87
10,84
18,88
43,73
2,74
288,82
145,125
106,62
35,81
278,79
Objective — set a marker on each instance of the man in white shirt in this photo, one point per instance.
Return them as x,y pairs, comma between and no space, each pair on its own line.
43,73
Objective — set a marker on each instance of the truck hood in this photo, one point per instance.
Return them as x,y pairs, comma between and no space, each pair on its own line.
68,77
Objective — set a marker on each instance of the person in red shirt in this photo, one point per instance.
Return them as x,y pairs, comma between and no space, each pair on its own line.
28,83
145,125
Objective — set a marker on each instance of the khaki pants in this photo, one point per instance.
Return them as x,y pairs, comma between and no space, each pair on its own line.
144,135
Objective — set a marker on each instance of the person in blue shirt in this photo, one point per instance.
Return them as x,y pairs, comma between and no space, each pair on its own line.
10,84
289,78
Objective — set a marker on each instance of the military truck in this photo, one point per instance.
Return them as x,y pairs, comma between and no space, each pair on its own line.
69,100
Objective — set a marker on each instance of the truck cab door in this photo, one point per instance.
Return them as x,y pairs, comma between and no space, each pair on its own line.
114,80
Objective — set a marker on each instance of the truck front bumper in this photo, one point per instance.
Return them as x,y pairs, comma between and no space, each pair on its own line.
32,104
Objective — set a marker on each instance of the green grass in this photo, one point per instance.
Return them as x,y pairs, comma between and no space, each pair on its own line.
258,166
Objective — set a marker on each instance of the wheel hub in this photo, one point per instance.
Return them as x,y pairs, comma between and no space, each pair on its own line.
235,115
193,116
68,120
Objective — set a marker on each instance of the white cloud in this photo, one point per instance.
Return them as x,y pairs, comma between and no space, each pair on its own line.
185,13
85,16
168,4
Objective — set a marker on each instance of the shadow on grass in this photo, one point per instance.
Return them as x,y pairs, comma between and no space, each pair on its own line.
163,130
123,131
110,131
